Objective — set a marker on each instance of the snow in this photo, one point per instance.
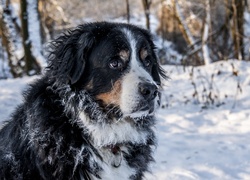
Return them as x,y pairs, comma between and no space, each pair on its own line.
11,94
198,138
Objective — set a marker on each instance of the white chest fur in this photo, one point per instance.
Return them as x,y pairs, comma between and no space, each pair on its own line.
114,133
108,134
110,172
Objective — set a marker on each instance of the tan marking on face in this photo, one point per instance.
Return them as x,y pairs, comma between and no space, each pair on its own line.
89,85
143,54
124,54
113,96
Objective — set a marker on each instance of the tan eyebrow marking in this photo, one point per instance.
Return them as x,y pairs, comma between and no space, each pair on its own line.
143,53
124,54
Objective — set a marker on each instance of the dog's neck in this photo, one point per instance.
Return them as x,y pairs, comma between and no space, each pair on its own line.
91,117
109,139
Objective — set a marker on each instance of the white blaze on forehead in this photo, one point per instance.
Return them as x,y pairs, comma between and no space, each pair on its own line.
137,73
135,64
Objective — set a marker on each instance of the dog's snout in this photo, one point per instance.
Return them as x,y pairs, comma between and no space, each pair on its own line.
148,90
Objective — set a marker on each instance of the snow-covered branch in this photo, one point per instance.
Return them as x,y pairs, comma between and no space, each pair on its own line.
205,36
35,32
184,29
182,24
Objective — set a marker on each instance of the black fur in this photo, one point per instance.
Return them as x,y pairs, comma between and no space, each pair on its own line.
45,138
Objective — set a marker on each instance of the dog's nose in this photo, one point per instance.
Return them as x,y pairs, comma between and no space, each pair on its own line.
148,90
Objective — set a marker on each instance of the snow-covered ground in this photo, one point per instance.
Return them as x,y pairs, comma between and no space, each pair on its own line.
203,126
199,141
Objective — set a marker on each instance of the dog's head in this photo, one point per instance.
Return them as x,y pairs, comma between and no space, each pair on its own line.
115,63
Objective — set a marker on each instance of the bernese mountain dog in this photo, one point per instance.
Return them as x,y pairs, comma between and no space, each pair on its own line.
91,114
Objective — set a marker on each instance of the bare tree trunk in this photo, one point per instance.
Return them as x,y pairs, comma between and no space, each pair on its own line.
46,36
26,41
205,49
146,6
163,26
237,28
247,5
185,31
11,38
183,26
35,33
226,38
128,11
240,22
31,63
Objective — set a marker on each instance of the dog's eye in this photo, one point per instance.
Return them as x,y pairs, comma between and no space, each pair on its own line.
147,62
116,64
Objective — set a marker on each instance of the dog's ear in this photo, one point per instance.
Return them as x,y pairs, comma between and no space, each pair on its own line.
155,74
68,54
158,72
84,45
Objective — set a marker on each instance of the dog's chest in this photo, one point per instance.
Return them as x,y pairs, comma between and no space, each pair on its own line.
114,166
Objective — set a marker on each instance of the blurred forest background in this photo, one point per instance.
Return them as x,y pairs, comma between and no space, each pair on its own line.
187,32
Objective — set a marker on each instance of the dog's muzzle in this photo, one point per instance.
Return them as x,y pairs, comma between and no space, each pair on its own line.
148,92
